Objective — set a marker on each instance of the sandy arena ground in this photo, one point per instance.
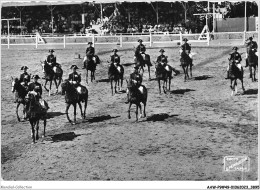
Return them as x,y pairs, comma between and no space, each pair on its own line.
185,136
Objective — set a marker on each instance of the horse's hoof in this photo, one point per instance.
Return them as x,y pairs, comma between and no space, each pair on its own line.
73,123
19,119
33,143
43,136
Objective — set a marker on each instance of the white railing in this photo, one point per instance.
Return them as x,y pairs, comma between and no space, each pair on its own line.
78,39
83,39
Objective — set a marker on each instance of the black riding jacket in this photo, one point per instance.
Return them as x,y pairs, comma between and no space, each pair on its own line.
25,77
115,59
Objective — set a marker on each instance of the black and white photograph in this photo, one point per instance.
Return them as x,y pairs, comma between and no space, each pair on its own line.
129,90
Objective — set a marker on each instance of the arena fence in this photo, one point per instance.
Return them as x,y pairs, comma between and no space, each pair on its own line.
76,39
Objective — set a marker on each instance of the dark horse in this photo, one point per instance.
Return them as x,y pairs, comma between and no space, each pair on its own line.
20,93
141,61
186,62
35,112
91,65
74,97
137,96
252,63
115,74
164,74
234,74
52,74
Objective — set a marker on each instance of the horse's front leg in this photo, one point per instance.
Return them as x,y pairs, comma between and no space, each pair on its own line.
159,84
111,83
144,109
141,113
149,72
50,88
116,83
254,73
67,112
87,77
164,86
122,79
136,112
44,127
170,83
85,107
75,110
37,129
191,70
242,82
184,73
55,82
18,104
80,107
130,104
32,131
45,86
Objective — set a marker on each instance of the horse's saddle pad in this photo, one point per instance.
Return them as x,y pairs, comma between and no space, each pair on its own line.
81,90
141,89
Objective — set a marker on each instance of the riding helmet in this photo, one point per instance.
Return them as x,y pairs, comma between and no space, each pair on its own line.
24,67
51,50
74,67
161,50
250,38
140,40
114,50
185,39
90,42
35,77
234,48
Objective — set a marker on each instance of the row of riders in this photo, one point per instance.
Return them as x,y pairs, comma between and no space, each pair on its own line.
136,92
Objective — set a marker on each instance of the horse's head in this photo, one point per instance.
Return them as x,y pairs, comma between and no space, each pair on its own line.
64,86
15,83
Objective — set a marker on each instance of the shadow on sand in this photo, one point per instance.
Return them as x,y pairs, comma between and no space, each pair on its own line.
63,137
100,118
54,114
128,64
251,92
103,80
203,77
159,117
181,91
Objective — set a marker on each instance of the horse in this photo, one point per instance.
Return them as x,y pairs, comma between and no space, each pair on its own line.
164,74
186,62
20,93
74,96
35,112
234,74
91,65
116,73
252,63
52,74
137,96
142,61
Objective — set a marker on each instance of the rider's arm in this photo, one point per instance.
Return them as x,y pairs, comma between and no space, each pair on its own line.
40,90
118,59
79,79
21,78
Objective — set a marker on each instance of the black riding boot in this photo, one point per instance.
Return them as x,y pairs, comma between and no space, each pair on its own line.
247,62
227,75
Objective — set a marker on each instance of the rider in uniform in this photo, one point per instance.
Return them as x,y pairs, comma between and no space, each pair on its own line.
236,57
35,88
115,58
140,49
90,52
161,60
74,77
51,59
185,51
115,61
135,80
24,77
250,45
